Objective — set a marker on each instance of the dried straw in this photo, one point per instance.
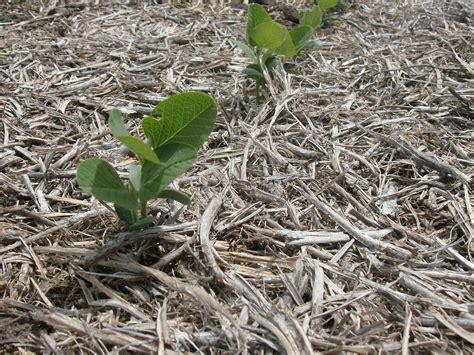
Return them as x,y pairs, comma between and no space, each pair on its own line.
334,217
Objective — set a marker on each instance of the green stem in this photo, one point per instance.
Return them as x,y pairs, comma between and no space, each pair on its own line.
143,211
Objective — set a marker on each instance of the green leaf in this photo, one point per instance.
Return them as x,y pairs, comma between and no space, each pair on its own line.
100,179
256,16
253,71
315,44
287,48
142,223
327,4
175,158
175,195
341,5
246,49
271,63
139,148
269,35
301,35
312,18
186,118
116,124
125,215
135,175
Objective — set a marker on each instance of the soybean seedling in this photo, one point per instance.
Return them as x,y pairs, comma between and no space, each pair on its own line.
185,122
271,43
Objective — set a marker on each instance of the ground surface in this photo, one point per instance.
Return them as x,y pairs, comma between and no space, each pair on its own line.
336,215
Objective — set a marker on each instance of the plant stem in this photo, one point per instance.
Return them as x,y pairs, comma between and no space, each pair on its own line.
143,211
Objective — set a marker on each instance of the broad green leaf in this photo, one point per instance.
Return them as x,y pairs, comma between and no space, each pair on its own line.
175,195
246,49
125,215
100,179
116,124
300,36
135,175
175,159
327,4
312,18
271,63
142,223
253,71
256,16
139,148
269,35
287,48
186,118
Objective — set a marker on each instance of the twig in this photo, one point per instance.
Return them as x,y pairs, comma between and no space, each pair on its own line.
204,229
127,238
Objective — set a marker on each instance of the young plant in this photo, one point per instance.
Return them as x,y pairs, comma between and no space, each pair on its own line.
186,120
341,6
270,42
333,5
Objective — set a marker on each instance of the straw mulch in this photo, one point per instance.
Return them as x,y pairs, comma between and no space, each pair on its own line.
334,216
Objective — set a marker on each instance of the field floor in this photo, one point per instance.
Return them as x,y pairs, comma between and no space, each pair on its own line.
335,215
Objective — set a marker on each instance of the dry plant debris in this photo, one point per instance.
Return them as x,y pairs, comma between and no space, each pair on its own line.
335,217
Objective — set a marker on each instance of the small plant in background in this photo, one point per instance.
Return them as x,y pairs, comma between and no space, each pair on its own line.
186,120
314,16
341,6
270,43
334,10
